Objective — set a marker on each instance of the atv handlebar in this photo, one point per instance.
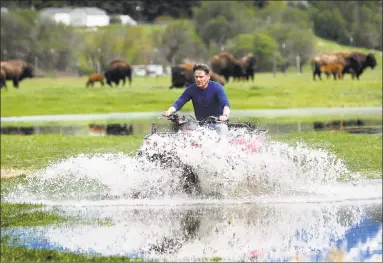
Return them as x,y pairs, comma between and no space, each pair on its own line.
174,117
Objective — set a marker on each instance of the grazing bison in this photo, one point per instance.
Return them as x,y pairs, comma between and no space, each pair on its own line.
183,76
335,69
357,62
17,70
226,65
3,79
217,78
248,63
118,70
95,78
326,59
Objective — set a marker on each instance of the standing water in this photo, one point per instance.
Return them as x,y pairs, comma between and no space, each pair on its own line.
279,203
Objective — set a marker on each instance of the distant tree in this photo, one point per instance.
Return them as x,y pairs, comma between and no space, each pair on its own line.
265,48
218,21
331,25
260,3
241,45
292,42
179,41
114,19
356,23
24,36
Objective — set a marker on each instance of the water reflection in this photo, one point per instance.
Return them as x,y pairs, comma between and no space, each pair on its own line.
274,232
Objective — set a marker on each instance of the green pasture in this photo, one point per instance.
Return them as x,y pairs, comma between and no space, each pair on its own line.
46,96
324,45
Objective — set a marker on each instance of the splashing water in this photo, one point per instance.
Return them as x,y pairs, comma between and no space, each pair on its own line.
263,213
231,170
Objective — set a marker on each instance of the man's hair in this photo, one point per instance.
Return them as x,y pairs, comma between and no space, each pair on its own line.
203,67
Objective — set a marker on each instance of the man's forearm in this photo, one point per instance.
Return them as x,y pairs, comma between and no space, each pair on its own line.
226,111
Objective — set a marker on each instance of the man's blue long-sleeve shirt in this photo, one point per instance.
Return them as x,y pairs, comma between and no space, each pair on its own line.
206,102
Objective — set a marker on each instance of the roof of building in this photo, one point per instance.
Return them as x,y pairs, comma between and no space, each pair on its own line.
86,10
91,10
55,10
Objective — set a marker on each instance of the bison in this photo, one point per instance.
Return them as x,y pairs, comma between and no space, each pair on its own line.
357,62
3,79
248,63
118,70
325,59
17,70
217,78
226,65
95,78
335,69
183,75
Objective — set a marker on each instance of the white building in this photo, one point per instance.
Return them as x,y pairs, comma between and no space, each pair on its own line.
89,17
58,15
127,20
149,70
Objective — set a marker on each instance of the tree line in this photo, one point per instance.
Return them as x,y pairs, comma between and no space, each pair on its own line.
356,23
196,30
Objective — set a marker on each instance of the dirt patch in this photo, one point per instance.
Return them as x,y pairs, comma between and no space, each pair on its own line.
7,173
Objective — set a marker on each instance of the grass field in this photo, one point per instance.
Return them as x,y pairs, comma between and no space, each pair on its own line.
47,96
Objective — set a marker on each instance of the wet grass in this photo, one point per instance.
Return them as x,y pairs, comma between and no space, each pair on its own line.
21,254
47,96
37,151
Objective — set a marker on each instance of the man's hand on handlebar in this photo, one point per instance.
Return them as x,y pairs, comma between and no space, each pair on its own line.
166,114
169,112
223,117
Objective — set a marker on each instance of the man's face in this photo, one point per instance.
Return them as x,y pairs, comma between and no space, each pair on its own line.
201,78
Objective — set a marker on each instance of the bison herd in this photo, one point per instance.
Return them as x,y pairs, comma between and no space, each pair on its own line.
223,66
338,64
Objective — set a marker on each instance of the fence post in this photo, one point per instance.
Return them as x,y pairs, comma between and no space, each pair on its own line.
298,65
274,64
36,62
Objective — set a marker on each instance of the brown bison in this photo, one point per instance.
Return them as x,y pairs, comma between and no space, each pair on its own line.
217,78
118,70
357,62
95,78
17,70
183,76
335,69
3,79
325,59
226,65
248,63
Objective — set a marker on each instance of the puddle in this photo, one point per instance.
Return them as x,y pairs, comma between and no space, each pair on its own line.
94,129
280,203
252,232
